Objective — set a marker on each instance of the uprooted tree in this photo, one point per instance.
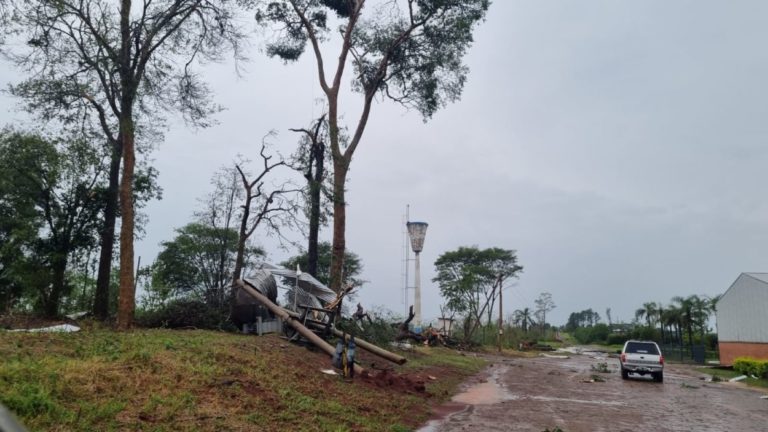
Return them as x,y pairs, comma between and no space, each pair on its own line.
410,52
117,65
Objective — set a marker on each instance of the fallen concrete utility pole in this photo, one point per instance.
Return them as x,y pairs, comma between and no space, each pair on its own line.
371,348
287,318
8,422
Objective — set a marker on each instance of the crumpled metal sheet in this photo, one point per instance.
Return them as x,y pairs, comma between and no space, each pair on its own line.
306,282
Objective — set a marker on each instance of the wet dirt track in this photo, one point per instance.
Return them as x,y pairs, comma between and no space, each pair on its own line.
538,393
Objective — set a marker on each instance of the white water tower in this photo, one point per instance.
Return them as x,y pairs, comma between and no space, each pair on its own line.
417,231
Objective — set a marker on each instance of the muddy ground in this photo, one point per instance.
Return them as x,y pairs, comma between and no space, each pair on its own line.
536,394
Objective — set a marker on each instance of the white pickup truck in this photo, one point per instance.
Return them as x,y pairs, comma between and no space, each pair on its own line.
642,357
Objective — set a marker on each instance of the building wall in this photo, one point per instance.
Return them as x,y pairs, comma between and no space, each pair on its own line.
742,312
730,350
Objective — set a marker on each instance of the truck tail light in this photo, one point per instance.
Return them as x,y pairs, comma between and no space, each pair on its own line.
661,360
623,358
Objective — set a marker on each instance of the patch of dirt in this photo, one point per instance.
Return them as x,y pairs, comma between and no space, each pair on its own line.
413,384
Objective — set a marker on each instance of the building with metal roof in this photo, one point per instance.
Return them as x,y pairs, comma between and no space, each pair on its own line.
742,319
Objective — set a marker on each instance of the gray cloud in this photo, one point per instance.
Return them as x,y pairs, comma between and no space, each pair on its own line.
618,146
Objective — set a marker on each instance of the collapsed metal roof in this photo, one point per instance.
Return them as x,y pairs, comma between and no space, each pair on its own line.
306,282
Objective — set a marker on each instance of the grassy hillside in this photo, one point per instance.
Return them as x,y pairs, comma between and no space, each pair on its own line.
164,380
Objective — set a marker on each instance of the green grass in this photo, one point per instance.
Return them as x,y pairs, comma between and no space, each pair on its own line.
726,374
438,356
165,380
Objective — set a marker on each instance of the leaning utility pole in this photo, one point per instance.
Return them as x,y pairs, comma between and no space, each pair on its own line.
501,302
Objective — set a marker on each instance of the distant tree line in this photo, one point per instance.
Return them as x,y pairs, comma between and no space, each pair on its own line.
685,320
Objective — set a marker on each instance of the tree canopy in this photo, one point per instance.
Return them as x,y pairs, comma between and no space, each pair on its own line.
49,210
198,262
585,318
469,278
114,65
412,55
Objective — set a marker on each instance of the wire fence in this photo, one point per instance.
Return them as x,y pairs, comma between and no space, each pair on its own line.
692,354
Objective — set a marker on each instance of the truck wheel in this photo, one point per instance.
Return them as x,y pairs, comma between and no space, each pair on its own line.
658,376
624,374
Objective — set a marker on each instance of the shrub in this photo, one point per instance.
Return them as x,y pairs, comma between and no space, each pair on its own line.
616,339
710,341
751,367
186,313
646,333
596,333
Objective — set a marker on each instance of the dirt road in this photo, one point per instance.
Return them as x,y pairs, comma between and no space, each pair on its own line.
534,394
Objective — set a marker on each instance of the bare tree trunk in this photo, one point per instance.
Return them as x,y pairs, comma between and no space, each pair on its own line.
243,237
315,188
339,225
127,296
482,311
221,281
101,297
59,267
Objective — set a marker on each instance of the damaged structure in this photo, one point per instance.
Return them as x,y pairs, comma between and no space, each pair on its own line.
310,316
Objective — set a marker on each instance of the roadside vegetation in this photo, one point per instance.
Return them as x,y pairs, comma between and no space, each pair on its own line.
724,374
678,327
163,380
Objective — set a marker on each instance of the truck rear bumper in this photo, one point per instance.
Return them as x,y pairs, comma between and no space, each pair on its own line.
642,368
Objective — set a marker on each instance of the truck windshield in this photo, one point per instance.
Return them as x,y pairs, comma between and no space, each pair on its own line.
642,348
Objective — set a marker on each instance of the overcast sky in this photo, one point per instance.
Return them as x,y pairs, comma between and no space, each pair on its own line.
618,146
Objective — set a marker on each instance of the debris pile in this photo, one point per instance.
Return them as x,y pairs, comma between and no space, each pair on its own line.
315,324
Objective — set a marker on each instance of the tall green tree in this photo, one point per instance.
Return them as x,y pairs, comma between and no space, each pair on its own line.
701,311
585,318
118,64
191,264
412,55
470,278
524,318
691,314
671,318
20,222
51,202
649,312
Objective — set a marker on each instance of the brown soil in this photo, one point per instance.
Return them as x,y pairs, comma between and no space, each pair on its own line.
544,393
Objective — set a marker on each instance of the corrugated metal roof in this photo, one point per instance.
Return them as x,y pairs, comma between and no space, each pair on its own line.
306,282
762,277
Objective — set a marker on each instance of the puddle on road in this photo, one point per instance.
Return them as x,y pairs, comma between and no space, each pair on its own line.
486,393
493,392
